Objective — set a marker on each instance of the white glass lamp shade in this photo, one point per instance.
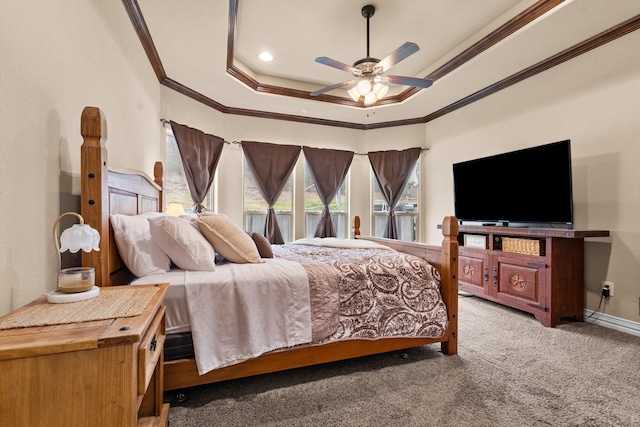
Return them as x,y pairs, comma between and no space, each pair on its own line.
354,94
175,209
380,90
370,99
364,87
80,236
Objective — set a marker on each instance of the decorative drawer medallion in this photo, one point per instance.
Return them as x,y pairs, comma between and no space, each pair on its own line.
470,270
518,281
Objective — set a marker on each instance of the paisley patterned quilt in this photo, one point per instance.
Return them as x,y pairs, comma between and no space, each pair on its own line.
383,293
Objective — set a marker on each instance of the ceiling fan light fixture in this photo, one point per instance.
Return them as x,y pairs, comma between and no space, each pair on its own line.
354,94
380,90
371,72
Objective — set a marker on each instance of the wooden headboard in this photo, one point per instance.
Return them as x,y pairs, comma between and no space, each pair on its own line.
109,191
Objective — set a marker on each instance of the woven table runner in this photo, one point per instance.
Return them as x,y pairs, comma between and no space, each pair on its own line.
122,302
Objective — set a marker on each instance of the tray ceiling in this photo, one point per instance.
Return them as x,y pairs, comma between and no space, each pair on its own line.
208,50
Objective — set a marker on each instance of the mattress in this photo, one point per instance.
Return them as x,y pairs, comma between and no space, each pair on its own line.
177,316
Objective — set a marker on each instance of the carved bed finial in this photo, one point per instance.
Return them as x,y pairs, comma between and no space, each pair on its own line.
356,226
93,126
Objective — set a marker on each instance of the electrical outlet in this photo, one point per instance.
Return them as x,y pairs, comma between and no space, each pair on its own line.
609,286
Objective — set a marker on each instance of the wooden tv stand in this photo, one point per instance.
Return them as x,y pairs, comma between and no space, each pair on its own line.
537,270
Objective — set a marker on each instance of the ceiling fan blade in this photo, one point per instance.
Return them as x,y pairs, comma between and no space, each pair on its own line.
332,87
398,55
410,81
335,64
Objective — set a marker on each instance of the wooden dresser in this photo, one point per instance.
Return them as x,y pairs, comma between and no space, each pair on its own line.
537,270
91,373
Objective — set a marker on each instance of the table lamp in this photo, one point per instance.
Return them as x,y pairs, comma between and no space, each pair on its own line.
175,209
76,283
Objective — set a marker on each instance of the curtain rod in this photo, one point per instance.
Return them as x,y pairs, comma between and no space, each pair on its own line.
165,122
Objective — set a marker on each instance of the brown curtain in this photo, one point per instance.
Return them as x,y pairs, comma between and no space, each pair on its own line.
328,169
200,153
271,165
392,169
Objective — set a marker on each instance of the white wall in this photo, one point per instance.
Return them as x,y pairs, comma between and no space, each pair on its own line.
58,57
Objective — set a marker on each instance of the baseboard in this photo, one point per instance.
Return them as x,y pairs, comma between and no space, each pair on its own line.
612,322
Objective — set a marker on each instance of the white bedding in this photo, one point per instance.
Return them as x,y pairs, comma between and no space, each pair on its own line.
242,310
177,316
334,242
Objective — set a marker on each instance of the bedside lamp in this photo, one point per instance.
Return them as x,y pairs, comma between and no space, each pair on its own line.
77,283
175,209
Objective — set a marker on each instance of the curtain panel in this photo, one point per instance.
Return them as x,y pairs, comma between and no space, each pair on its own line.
271,165
200,153
392,170
328,168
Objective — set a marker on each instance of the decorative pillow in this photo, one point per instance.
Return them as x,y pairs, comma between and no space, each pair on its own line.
136,247
263,245
182,241
229,240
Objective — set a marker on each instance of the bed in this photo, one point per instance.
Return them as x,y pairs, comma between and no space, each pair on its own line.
106,190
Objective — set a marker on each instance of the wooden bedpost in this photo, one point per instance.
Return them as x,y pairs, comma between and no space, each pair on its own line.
356,226
449,274
158,173
95,197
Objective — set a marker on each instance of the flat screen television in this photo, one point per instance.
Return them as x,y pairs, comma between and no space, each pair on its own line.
525,187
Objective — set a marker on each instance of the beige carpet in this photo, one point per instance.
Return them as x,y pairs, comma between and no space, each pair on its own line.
509,371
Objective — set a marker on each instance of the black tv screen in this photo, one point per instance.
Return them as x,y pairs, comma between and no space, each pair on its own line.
531,186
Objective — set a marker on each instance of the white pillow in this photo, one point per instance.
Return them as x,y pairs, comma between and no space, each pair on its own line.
229,240
182,241
136,247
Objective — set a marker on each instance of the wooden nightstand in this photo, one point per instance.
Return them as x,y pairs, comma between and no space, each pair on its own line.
94,373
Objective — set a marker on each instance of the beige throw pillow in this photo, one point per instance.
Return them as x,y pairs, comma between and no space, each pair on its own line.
229,240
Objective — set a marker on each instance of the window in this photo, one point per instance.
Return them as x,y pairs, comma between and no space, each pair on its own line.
313,207
406,210
175,183
255,207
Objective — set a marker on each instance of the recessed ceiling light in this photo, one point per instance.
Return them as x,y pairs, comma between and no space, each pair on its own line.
266,56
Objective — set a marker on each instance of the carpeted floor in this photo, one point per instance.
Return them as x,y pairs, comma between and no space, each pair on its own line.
509,371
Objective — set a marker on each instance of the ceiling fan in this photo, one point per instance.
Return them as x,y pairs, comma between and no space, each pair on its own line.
370,73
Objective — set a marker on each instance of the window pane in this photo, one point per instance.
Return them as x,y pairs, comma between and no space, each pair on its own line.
253,200
175,183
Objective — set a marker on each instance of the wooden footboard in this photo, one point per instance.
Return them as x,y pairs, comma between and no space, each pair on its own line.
107,191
